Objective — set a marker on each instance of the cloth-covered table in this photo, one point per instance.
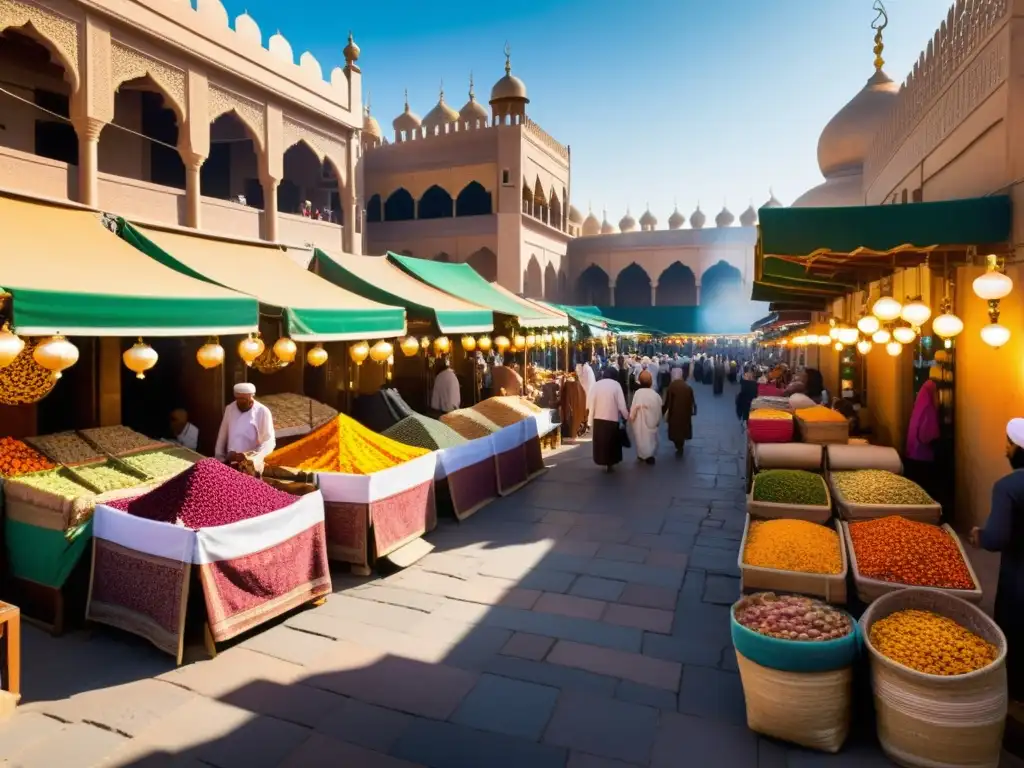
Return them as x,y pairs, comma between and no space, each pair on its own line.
466,476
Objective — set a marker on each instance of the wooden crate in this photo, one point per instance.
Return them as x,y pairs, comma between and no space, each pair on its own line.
822,432
923,513
770,510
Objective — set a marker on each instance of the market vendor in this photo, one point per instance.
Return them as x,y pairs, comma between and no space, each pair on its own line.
246,434
185,433
446,396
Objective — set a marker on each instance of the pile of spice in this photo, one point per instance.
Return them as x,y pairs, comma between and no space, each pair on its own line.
207,494
65,448
793,545
903,551
18,458
424,432
118,440
819,413
792,617
790,486
163,463
770,414
470,423
58,482
344,445
931,643
877,486
503,411
105,476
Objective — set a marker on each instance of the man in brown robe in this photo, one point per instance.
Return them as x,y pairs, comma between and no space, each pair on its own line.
680,408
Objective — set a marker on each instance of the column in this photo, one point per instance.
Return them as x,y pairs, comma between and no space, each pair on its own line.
351,237
697,294
88,130
611,293
654,294
269,184
193,192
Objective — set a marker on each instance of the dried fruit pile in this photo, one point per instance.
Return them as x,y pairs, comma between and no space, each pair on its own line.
207,494
18,458
930,643
59,482
792,617
117,440
876,486
65,448
106,477
790,486
423,432
344,445
469,423
793,545
503,411
158,463
903,551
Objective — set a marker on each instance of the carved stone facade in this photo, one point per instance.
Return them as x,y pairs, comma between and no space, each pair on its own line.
322,144
130,64
252,113
60,32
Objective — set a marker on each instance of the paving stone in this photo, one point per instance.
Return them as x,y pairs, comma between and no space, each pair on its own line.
649,524
623,552
25,728
651,619
547,581
419,643
485,590
603,727
728,545
710,524
503,705
369,612
583,760
703,742
570,605
288,644
526,646
721,590
714,694
714,561
728,661
73,745
721,533
657,673
662,559
476,647
647,596
635,573
649,696
607,536
319,751
597,588
686,529
449,745
771,754
448,564
405,598
565,678
366,725
664,542
576,547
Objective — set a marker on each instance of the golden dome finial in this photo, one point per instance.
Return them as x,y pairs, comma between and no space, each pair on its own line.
881,22
440,98
406,99
472,93
508,58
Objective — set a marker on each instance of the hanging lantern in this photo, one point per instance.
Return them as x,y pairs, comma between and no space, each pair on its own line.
519,341
425,343
838,346
442,344
531,340
904,334
848,336
833,332
916,312
250,348
211,354
995,335
894,348
468,343
10,346
547,337
993,285
285,350
886,309
864,346
881,336
410,346
381,351
484,343
868,324
947,325
56,354
140,358
317,356
824,341
359,352
502,343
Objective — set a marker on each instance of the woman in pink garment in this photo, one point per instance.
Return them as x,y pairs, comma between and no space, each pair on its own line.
923,432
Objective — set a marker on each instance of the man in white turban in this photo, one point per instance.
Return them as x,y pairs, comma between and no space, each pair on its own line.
246,431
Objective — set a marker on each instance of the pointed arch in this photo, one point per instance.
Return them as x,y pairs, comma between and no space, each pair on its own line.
57,34
527,199
325,158
435,203
593,287
533,279
167,81
373,210
540,202
721,284
550,283
485,262
251,129
473,200
399,206
677,286
556,210
563,286
633,287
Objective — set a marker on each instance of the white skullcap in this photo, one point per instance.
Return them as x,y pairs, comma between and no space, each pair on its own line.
1015,431
245,388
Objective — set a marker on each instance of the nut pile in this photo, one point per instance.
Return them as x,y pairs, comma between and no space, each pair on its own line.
207,494
158,464
291,411
423,432
106,477
930,643
792,617
65,448
469,423
793,545
117,440
18,458
790,486
59,482
876,486
903,551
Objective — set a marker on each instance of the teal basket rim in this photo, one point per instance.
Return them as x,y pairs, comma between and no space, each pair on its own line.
855,633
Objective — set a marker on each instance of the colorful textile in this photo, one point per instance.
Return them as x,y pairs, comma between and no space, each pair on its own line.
467,477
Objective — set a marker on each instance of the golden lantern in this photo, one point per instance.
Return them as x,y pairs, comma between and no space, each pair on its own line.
211,354
894,348
442,344
317,356
468,343
285,350
381,351
519,341
838,346
250,348
484,343
531,341
547,337
359,352
10,346
502,343
904,334
140,358
56,354
864,346
425,343
410,346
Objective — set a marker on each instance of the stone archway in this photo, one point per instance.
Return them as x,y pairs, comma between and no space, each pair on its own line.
721,285
677,286
633,287
485,262
550,283
593,287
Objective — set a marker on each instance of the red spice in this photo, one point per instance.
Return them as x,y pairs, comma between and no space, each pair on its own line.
903,551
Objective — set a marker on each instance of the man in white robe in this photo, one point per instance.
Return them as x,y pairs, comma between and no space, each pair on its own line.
446,396
246,431
645,418
186,434
585,376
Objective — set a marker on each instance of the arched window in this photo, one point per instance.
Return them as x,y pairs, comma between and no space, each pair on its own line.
677,286
592,287
399,206
473,200
721,285
533,287
550,283
436,203
633,287
373,210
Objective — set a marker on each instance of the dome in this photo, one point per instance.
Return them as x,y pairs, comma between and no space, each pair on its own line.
351,50
574,215
591,226
627,223
773,201
473,110
697,218
648,220
607,228
509,87
836,192
441,114
724,218
408,120
844,143
247,28
749,217
370,125
676,220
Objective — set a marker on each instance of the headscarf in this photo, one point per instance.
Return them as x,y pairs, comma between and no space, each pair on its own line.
645,379
924,425
1014,431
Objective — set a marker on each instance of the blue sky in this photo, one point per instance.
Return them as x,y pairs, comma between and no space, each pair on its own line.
708,101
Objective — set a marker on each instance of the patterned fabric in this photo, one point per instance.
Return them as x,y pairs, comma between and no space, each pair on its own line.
534,458
471,488
399,519
512,470
348,531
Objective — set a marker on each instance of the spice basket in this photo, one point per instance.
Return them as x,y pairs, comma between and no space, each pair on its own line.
931,721
179,452
869,590
67,448
828,586
770,510
112,461
848,510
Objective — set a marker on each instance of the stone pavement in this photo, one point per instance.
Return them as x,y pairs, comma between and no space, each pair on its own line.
581,622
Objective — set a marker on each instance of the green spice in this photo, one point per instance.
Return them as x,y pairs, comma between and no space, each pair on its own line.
158,464
790,486
423,432
876,486
56,481
106,477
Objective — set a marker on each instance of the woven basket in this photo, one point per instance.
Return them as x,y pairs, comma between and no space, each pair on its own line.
829,587
928,721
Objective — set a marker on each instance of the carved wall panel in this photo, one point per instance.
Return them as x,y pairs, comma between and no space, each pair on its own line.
250,112
60,31
130,64
324,145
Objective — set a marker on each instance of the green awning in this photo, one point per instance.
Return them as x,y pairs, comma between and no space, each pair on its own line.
68,274
376,278
592,316
679,321
313,309
463,281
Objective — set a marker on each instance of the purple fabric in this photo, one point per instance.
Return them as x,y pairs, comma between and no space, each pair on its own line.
924,425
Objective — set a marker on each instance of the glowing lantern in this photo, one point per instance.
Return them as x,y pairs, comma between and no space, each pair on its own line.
838,346
887,309
56,354
519,341
547,337
210,355
848,336
502,343
359,352
250,348
484,343
894,348
317,356
916,312
531,340
995,335
468,343
947,325
881,336
442,344
904,334
993,285
381,351
863,346
868,324
824,341
285,350
10,346
140,358
425,343
410,346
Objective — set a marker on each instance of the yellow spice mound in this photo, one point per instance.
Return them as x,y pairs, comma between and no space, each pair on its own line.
930,643
770,414
344,445
793,545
